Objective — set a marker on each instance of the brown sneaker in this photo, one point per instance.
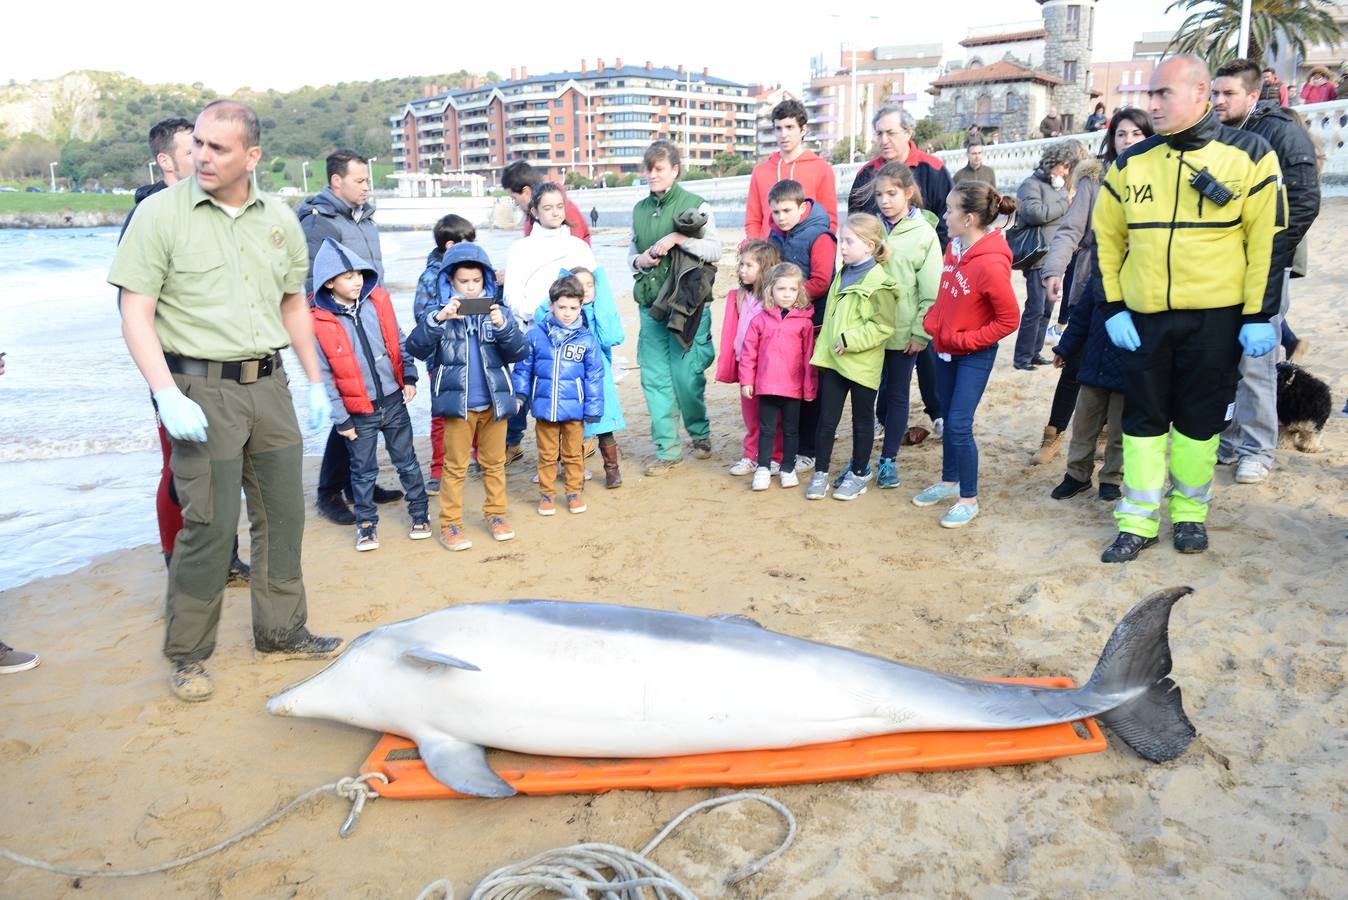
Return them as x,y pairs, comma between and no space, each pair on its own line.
190,683
663,467
12,660
701,449
500,528
513,453
546,507
576,503
453,538
1048,446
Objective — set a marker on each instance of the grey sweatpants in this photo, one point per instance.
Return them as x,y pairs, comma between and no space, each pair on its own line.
1253,431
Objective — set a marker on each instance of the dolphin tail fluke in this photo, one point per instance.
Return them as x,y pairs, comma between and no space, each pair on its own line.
1153,723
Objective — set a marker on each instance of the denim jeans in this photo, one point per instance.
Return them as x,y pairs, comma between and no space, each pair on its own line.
960,383
334,472
516,425
1034,319
926,386
390,420
899,375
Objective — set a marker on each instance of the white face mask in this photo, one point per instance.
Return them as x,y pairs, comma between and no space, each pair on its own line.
1058,182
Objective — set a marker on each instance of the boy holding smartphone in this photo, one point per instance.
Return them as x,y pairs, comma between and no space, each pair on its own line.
469,342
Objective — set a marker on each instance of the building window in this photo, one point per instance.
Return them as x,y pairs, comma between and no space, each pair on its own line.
560,120
1073,21
1010,102
559,137
559,154
1069,70
1069,123
557,104
959,106
1125,80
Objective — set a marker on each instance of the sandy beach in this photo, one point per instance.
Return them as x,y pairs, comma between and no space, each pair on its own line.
106,769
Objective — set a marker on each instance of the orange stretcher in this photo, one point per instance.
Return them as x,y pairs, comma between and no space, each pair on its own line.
408,779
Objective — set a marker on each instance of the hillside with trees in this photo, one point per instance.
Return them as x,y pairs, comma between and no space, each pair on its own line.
95,124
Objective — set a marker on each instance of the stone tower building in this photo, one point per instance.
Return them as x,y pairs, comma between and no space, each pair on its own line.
1067,56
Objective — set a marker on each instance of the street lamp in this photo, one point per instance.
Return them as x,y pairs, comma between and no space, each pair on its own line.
372,161
853,105
52,166
304,170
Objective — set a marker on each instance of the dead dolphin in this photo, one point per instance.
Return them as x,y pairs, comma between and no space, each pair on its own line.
591,679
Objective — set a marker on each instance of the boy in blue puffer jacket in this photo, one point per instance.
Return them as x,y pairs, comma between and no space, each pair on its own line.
471,387
562,379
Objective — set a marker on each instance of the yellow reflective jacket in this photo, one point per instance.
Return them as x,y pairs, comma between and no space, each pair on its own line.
1163,245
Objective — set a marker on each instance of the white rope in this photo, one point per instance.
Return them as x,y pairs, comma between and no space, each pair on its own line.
580,869
354,789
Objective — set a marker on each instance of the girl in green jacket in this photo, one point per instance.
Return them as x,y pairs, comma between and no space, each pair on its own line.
850,352
915,262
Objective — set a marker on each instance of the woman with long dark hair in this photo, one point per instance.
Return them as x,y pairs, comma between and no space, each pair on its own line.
1090,388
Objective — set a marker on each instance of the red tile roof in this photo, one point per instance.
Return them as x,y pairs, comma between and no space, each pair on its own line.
1002,70
1008,38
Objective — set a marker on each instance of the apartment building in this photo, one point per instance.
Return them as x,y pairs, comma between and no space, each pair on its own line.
841,100
592,120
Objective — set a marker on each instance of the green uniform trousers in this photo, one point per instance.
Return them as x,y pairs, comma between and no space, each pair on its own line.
253,443
674,381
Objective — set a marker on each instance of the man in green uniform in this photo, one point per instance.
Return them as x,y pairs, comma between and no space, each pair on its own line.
673,380
211,274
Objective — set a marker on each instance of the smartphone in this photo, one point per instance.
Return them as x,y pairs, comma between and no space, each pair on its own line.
478,306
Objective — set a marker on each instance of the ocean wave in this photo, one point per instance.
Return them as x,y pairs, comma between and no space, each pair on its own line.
40,448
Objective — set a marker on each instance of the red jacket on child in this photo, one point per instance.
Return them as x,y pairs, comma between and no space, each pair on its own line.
976,306
728,361
776,355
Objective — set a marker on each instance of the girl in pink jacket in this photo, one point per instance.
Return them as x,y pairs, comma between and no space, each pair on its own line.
775,370
741,307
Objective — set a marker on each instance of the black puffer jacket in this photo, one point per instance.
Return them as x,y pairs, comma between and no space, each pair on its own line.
1296,156
1086,335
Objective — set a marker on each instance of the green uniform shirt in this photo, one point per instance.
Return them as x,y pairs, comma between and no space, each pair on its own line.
218,279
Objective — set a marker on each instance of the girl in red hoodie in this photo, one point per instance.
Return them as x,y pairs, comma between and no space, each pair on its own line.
975,308
775,368
741,307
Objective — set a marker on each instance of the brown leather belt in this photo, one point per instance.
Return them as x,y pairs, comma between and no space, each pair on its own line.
245,371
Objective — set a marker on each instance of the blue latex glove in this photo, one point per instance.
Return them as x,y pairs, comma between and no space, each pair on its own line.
1122,332
181,418
320,408
1258,338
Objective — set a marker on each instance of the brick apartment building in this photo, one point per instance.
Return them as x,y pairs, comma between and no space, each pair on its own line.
592,121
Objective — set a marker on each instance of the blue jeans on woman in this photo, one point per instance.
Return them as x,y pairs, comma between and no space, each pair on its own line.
390,419
1034,320
960,383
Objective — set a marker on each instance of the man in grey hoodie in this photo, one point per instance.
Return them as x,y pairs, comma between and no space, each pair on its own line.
341,211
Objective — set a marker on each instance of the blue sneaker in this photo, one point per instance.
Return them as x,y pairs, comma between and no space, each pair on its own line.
864,476
852,487
959,515
818,487
887,474
936,493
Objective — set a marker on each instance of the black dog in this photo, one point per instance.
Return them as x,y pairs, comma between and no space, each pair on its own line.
1303,406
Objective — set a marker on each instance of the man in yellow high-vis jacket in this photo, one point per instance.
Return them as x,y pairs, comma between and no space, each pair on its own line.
1184,225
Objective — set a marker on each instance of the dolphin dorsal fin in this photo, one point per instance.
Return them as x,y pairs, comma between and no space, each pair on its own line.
461,766
736,619
434,658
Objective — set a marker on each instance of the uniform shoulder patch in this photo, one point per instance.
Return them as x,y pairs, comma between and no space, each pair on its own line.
278,237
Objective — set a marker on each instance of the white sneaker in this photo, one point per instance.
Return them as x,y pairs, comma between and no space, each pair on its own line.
774,467
937,428
790,479
804,463
1054,332
745,466
1250,470
762,479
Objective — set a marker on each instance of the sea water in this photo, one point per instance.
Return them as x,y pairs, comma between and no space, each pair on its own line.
79,454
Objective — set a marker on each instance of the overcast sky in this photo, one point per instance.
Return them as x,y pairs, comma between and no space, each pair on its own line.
284,46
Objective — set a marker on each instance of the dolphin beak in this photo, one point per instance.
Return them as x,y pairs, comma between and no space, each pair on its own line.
280,704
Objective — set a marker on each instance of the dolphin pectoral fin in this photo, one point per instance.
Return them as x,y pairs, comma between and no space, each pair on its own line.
433,658
736,619
462,767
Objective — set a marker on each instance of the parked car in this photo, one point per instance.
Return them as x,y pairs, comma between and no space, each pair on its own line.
33,189
8,189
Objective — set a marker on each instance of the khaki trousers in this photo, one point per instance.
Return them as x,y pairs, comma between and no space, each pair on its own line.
568,438
1096,407
491,433
253,443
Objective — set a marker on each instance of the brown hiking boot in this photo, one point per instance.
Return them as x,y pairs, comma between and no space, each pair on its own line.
1048,447
612,477
190,682
1102,443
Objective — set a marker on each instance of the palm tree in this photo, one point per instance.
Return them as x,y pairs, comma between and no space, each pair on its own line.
1212,27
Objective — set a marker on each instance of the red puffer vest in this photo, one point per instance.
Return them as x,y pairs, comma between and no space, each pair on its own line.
336,344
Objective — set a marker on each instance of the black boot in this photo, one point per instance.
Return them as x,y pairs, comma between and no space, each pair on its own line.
333,508
1069,487
1189,537
300,645
1125,547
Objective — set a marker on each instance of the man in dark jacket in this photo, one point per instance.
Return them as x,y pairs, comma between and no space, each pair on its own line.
341,212
894,128
1253,433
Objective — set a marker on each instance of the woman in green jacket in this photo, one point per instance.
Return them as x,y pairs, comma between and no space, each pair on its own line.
850,352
